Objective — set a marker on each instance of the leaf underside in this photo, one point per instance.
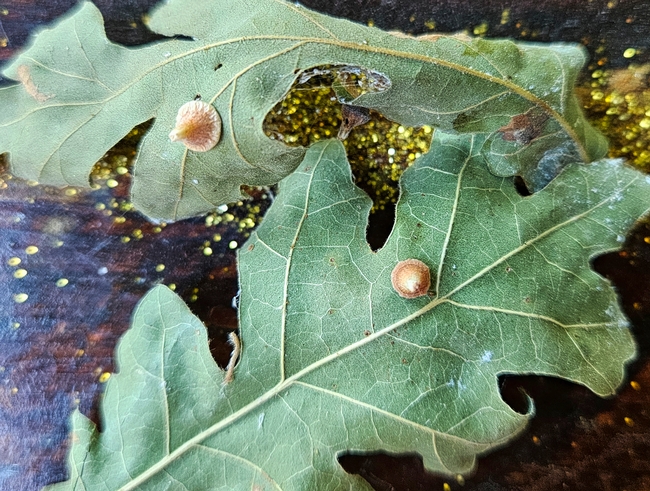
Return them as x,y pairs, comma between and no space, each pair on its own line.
79,94
334,360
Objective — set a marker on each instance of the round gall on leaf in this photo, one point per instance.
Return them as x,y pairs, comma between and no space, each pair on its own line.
198,126
411,278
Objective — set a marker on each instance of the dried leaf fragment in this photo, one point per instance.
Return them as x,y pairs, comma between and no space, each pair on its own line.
353,116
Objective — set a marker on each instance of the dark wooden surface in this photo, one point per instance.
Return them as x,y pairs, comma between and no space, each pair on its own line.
55,346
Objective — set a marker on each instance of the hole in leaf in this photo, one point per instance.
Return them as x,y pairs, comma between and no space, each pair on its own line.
380,224
378,151
513,393
552,397
213,305
628,270
216,67
521,187
388,472
213,294
119,159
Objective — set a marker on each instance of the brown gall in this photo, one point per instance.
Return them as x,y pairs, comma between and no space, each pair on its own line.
198,126
411,278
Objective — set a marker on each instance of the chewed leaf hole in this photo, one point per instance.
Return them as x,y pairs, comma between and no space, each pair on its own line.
379,150
391,472
520,187
380,225
513,393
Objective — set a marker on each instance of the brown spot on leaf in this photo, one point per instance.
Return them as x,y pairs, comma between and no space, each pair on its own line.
524,128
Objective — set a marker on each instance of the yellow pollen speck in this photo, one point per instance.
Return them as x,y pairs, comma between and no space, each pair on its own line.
446,487
172,286
119,219
629,421
100,206
157,230
121,170
233,244
61,282
20,273
58,243
635,385
481,29
194,298
216,237
20,297
629,53
31,250
207,251
160,267
70,192
103,378
14,261
371,23
460,479
124,240
536,440
111,183
79,353
14,391
16,325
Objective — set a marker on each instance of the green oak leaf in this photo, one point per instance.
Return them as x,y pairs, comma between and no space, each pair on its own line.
80,94
333,360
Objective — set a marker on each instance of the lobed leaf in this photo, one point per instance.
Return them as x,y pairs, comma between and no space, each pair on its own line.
334,360
80,94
